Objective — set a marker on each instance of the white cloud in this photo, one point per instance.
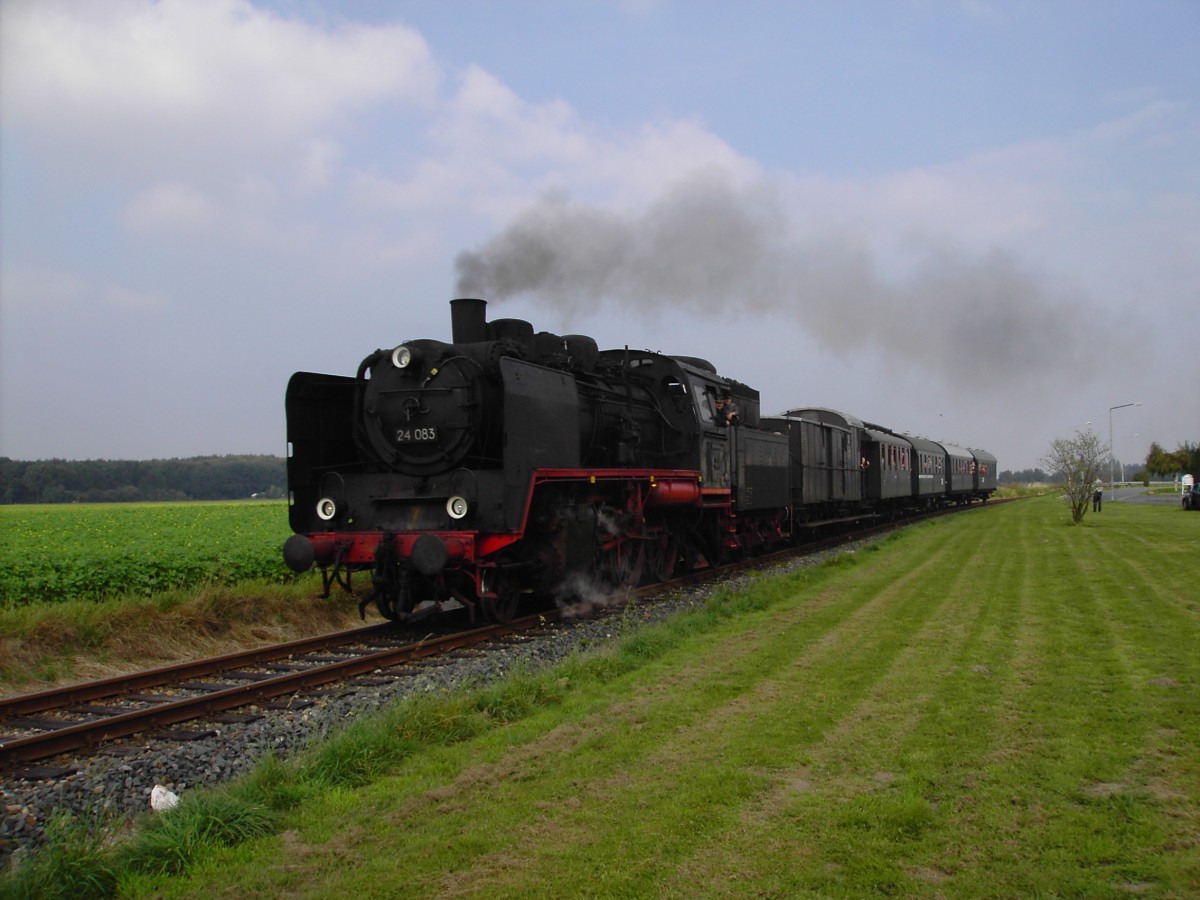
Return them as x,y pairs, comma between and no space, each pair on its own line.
489,151
29,287
55,292
1150,122
152,84
175,207
486,119
982,11
317,165
122,298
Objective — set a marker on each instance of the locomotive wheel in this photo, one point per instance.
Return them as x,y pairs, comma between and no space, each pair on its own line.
663,557
626,562
503,606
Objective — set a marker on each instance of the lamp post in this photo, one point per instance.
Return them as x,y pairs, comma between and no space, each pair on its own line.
1111,489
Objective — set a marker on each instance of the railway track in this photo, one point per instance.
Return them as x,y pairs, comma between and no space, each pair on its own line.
47,723
75,717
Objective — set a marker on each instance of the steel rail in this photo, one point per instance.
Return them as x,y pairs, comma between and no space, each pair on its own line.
83,734
84,692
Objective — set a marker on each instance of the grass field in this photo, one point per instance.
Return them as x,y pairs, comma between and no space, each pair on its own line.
80,551
994,705
98,589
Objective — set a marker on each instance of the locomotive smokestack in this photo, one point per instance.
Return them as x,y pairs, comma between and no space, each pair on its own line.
468,320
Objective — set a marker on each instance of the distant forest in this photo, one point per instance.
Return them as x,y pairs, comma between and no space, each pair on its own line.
264,477
124,481
1128,472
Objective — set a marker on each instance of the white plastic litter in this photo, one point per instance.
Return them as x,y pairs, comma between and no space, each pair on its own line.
161,799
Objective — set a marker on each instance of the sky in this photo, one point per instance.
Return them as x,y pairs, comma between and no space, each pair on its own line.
973,220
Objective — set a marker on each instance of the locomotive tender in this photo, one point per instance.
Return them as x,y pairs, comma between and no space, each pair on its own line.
507,463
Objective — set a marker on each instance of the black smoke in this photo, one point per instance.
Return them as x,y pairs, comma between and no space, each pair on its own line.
709,246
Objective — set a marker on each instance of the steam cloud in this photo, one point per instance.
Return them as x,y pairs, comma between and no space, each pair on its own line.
708,246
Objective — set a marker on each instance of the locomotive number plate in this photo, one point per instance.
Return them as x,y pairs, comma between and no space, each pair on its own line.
426,435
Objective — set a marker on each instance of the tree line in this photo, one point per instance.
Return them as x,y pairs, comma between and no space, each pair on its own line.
1159,463
1183,461
239,477
122,481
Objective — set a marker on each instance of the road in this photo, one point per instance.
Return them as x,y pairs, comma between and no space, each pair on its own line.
1139,494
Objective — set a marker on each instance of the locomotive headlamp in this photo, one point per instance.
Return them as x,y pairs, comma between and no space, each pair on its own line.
402,357
327,508
457,507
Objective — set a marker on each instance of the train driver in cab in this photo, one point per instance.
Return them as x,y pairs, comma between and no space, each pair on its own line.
726,410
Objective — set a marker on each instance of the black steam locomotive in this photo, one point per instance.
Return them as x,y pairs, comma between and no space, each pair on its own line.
508,463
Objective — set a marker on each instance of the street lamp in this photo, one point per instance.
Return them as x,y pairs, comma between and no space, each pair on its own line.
1111,489
1125,464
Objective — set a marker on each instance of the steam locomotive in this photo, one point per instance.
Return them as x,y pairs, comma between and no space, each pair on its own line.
507,463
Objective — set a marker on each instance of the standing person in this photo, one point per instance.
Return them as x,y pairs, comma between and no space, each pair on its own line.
1097,495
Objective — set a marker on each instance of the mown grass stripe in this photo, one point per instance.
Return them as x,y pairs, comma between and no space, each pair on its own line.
872,770
733,744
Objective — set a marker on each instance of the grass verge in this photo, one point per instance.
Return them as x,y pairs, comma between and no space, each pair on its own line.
43,644
995,705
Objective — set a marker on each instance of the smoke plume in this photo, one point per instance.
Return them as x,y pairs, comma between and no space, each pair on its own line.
710,247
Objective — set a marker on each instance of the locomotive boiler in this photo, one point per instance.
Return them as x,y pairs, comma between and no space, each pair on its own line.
503,462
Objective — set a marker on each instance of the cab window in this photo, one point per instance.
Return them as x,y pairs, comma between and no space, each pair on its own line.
704,402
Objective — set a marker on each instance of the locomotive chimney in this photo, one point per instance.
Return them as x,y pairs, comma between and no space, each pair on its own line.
468,320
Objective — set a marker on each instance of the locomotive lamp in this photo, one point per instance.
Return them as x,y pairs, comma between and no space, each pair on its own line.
402,357
327,508
457,507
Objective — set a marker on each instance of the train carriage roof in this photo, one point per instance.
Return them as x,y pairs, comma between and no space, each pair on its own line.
824,416
956,451
925,445
888,437
982,456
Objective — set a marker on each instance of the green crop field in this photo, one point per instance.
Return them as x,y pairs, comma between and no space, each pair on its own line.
53,553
